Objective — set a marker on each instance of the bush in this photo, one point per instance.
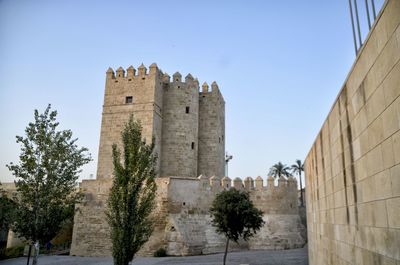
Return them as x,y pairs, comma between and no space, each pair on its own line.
14,252
161,252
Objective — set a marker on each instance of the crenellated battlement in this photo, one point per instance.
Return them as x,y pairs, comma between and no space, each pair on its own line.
249,184
187,125
186,193
169,107
142,72
131,73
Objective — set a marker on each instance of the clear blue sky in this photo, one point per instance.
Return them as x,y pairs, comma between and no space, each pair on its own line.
279,65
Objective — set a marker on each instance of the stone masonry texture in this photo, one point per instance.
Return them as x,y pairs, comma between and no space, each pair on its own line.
183,222
353,167
186,140
188,128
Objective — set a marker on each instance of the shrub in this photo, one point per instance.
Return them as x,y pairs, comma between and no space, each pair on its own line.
14,252
161,252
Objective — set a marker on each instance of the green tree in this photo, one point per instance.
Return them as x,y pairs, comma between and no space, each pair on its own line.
298,167
132,195
46,178
7,217
235,216
278,170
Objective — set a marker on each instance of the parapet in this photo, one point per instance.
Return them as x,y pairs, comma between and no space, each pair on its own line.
215,183
214,92
142,73
214,88
131,73
226,182
198,194
204,87
249,184
177,77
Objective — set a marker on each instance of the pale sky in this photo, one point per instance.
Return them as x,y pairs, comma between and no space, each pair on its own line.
279,65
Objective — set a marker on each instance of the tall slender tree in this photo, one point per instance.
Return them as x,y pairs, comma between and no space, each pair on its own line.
132,195
278,170
297,168
46,179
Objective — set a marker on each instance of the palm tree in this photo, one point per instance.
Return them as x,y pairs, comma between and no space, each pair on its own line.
278,170
298,167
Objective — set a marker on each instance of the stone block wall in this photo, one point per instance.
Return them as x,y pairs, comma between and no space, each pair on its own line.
183,223
211,132
125,94
180,127
91,231
353,167
188,128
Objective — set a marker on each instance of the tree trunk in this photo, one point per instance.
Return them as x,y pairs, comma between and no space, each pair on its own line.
301,192
226,249
29,254
35,256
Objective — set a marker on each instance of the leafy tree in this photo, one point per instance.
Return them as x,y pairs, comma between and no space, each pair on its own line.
7,217
46,177
298,167
132,195
278,170
235,216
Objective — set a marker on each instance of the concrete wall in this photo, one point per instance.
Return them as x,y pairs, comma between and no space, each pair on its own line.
183,223
353,168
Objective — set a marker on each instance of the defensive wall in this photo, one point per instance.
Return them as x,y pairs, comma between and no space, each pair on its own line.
353,168
183,222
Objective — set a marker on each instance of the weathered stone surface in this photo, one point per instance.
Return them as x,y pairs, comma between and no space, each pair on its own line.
183,223
188,127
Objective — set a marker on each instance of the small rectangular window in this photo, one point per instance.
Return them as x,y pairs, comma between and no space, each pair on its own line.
128,100
192,145
187,109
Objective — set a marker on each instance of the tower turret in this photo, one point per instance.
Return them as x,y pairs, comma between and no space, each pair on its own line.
211,131
238,183
180,128
177,77
226,182
270,184
187,143
153,68
130,72
141,97
166,78
142,70
110,73
214,86
249,183
204,87
120,72
259,183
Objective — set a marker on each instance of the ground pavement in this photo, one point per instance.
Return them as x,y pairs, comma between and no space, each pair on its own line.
259,257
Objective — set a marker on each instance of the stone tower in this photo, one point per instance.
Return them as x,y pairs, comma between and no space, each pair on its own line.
188,126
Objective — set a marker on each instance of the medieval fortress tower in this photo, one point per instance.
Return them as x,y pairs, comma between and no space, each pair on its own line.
187,125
